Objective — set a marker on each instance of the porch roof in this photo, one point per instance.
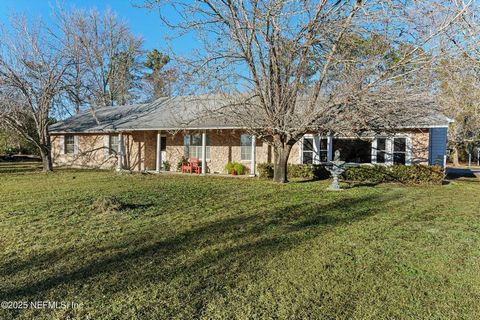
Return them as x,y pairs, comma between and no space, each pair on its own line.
190,112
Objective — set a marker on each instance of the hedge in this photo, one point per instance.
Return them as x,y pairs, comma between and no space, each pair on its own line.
417,174
305,171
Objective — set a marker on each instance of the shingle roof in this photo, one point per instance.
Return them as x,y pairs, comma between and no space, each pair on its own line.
187,112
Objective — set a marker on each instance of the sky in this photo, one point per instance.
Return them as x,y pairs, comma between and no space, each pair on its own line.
142,22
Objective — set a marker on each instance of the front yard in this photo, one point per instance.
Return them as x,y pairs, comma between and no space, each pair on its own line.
209,247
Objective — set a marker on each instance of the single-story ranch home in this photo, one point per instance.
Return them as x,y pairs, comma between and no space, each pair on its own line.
156,136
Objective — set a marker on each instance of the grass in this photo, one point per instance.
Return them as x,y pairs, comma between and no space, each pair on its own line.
214,248
16,167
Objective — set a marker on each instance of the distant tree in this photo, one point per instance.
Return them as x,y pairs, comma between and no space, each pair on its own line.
107,69
459,96
159,78
125,77
12,142
33,62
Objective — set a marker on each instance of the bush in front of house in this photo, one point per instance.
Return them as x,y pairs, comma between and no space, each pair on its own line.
304,171
239,168
235,168
167,165
417,174
229,167
307,171
265,170
181,162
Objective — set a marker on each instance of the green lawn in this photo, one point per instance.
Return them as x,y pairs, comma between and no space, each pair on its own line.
209,247
16,167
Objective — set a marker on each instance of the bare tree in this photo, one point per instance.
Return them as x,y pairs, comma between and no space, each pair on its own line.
290,67
32,64
459,78
459,96
107,55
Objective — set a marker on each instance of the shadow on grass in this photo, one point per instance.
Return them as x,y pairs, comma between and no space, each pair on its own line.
226,248
353,184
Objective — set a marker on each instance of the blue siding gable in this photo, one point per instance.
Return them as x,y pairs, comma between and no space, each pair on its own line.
437,147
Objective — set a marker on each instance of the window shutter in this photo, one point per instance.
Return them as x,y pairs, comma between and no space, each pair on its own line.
75,144
61,143
106,145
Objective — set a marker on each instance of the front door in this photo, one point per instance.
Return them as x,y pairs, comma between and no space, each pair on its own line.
163,151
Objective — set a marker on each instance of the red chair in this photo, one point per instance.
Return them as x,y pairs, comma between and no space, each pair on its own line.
186,167
192,166
196,165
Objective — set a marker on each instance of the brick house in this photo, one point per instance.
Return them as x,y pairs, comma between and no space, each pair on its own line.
146,137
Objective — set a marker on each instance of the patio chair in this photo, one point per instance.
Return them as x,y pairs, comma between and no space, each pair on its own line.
192,166
196,165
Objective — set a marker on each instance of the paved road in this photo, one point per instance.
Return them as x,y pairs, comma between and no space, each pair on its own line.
463,173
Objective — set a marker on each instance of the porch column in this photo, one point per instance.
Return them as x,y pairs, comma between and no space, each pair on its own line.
329,148
159,151
120,152
253,161
204,153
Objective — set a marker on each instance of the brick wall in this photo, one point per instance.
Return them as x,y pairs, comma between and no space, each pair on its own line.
140,150
224,147
419,146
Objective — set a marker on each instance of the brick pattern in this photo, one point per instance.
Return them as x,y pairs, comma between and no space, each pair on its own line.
140,150
420,140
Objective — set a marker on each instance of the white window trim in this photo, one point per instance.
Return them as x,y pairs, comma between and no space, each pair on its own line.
246,146
200,146
110,150
75,144
316,148
389,148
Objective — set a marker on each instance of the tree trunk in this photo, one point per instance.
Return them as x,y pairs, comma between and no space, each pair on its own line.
280,162
456,163
46,158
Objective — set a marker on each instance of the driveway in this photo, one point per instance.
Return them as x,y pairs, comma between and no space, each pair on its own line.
472,174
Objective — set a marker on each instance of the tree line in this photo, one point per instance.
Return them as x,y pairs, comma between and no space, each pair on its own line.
285,68
82,60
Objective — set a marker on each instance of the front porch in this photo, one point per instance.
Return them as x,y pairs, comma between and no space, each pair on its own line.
162,150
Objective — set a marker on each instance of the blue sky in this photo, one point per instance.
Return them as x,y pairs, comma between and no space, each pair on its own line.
143,22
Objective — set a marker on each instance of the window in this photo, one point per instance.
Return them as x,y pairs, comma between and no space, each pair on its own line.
113,144
307,151
163,143
246,147
323,152
314,150
381,150
353,150
399,150
69,144
193,146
